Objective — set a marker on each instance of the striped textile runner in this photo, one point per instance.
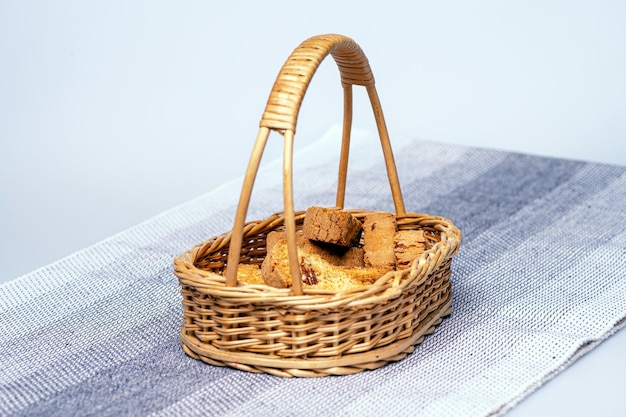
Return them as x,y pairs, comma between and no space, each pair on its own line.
540,279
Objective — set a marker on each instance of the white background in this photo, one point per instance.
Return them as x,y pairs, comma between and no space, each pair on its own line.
114,111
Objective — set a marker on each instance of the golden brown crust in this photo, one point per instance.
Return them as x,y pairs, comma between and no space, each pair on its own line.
273,264
409,245
317,272
331,226
333,254
379,230
250,274
353,257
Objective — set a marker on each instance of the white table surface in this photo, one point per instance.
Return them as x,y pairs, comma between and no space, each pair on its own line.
113,112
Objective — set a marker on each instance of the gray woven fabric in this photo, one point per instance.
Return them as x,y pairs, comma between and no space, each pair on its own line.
540,279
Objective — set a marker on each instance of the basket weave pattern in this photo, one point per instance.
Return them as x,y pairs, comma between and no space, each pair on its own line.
301,331
278,333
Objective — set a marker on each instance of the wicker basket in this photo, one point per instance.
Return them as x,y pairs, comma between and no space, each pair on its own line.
303,332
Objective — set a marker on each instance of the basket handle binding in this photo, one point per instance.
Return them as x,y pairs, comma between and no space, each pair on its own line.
280,115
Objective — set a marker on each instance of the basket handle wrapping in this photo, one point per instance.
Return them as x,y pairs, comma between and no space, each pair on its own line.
280,115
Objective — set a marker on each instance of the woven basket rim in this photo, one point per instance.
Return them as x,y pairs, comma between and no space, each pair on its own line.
388,286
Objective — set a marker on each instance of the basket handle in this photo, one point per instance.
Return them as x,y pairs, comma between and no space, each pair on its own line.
280,115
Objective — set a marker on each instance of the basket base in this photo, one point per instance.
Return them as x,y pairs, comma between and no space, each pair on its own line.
316,367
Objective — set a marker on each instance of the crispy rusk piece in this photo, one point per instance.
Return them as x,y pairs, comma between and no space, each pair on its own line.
409,245
332,226
379,230
250,273
316,271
